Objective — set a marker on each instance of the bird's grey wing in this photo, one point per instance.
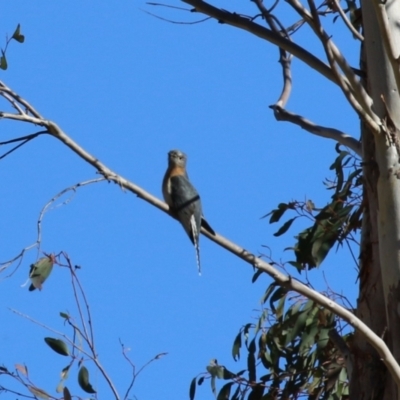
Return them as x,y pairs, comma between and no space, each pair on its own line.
186,203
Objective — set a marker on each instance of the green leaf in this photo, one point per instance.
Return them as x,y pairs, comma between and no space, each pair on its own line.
17,35
213,388
323,338
83,380
192,389
3,61
64,315
257,392
308,340
237,344
225,391
220,372
246,332
283,229
260,322
60,386
344,212
277,213
310,206
268,292
64,372
299,325
278,295
67,394
57,345
297,265
321,247
256,275
251,361
40,271
280,307
236,393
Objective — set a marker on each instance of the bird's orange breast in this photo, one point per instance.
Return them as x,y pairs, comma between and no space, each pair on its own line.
176,171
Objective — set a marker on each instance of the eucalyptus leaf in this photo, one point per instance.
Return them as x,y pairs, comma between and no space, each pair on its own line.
83,380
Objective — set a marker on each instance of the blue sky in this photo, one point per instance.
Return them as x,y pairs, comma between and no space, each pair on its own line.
128,88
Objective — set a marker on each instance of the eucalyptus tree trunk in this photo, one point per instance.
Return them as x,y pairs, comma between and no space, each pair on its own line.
378,303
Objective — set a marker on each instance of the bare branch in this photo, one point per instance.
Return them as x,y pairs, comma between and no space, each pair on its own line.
5,89
12,102
246,24
285,58
330,133
23,117
350,85
353,30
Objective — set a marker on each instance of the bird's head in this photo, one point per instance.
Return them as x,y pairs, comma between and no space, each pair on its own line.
177,158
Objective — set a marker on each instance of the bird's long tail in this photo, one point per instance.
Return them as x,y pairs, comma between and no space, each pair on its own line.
195,234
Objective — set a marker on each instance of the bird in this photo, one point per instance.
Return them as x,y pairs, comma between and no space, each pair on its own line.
183,199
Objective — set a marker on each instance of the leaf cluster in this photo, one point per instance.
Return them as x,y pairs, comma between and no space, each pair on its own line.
289,354
17,36
332,224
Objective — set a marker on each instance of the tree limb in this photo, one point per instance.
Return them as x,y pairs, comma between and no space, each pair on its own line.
330,133
347,22
246,24
350,85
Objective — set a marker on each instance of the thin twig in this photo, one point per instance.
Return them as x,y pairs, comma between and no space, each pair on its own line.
175,22
23,140
90,340
82,292
168,6
56,332
46,207
13,103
